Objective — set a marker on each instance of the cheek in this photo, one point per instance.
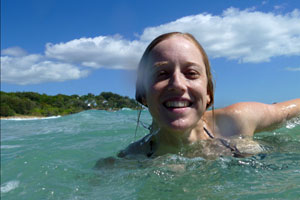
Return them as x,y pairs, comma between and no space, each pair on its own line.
153,95
200,87
154,88
199,91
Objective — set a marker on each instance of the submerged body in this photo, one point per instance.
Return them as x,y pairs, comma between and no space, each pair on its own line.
209,149
227,136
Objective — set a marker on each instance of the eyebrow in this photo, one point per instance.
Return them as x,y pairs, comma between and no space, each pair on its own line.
188,63
160,63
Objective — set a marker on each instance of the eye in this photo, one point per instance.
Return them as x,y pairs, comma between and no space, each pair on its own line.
192,74
162,73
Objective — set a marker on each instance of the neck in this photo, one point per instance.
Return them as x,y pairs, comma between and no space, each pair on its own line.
171,141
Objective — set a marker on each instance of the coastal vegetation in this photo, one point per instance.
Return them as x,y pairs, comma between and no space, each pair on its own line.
35,104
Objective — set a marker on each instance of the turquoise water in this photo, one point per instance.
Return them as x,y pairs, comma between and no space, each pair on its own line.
55,159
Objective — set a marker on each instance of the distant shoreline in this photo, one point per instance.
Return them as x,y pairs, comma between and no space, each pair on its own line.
35,105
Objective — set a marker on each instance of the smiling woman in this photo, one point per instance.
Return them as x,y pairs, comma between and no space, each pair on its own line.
175,83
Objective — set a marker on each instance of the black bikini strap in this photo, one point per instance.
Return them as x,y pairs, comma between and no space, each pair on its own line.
208,133
151,149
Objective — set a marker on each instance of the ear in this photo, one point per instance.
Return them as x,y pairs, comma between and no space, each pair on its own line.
208,99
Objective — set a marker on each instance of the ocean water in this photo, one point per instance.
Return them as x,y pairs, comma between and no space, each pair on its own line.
55,159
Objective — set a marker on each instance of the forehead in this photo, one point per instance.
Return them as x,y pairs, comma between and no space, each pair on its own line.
176,48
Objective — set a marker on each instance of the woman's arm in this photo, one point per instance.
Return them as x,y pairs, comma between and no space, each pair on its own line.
274,115
248,118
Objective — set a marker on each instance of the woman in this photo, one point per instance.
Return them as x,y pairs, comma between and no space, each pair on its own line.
175,83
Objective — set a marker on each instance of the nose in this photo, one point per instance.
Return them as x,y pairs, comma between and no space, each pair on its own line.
177,81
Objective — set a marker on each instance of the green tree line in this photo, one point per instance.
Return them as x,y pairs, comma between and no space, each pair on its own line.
35,104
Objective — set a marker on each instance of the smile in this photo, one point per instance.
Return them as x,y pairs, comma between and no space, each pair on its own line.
177,104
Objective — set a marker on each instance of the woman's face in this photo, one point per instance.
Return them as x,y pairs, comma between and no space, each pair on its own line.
176,85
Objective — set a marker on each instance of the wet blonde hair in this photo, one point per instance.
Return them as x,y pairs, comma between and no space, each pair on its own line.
141,73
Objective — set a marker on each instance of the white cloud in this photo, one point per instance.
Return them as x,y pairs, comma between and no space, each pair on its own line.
245,36
293,69
14,51
34,69
103,51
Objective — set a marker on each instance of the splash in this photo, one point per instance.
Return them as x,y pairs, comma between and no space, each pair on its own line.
9,186
292,123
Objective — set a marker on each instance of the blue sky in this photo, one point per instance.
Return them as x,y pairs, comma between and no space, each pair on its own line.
80,47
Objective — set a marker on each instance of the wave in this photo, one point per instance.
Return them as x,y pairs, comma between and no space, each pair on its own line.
292,123
126,109
11,185
29,118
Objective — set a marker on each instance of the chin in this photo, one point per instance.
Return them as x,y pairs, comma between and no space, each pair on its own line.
179,126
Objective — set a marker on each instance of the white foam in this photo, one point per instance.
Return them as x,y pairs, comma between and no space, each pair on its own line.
30,118
292,123
125,109
9,146
9,186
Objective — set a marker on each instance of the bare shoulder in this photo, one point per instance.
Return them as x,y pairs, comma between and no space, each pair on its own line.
233,120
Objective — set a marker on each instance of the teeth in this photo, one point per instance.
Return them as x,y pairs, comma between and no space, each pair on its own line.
177,104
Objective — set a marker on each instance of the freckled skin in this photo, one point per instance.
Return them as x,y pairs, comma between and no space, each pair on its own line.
176,71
